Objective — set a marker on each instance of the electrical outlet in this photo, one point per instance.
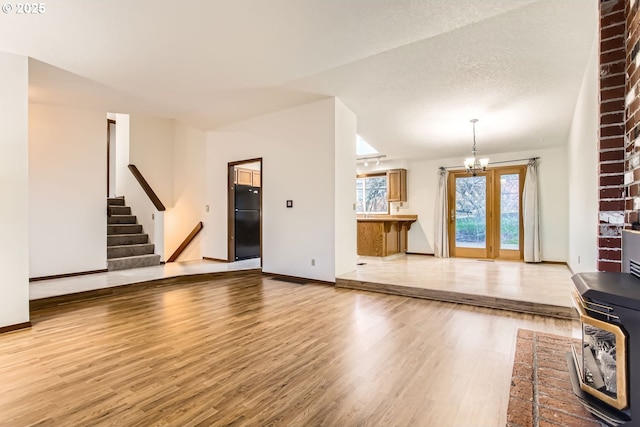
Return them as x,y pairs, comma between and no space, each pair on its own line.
313,262
206,208
153,216
578,259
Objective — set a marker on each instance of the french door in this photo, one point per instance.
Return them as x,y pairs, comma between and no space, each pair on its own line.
485,213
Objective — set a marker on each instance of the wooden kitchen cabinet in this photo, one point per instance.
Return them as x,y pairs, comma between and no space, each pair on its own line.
247,177
256,177
397,185
244,177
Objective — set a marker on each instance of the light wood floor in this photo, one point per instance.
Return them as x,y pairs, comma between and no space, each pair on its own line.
531,288
257,351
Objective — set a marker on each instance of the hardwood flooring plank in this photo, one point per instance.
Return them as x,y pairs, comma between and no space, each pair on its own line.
256,351
543,289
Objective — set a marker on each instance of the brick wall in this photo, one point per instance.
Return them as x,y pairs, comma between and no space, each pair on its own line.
612,195
632,126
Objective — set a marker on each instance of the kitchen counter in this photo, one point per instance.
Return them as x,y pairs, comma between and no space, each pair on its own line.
388,218
383,235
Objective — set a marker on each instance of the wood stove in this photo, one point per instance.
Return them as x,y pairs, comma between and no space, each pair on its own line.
605,369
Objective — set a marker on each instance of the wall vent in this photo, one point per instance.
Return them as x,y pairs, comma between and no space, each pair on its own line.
634,268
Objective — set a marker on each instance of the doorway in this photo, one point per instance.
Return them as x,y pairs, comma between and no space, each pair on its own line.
244,210
485,213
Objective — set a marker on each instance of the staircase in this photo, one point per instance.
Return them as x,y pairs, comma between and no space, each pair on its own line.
127,246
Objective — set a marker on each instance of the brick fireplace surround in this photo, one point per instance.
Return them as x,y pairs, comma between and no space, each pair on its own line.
619,130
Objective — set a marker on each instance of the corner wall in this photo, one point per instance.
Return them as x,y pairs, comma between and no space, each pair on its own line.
147,143
67,190
298,148
583,173
151,150
189,188
14,186
345,190
122,172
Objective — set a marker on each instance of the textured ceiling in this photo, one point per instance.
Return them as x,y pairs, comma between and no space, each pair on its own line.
413,71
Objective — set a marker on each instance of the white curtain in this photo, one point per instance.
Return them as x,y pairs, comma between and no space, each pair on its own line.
441,242
531,214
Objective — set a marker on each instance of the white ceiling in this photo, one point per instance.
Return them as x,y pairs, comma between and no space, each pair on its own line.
414,71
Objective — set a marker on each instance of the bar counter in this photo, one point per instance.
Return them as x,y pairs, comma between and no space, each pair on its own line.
383,235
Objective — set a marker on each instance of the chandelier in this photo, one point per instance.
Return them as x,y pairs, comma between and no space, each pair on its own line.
474,165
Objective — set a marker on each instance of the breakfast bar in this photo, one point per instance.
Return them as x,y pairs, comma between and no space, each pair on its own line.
383,235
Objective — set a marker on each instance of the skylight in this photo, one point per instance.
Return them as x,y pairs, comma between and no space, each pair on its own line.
363,148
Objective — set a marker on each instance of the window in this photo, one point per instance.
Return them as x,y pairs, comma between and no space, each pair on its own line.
371,194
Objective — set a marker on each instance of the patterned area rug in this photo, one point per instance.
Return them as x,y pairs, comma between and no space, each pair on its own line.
541,394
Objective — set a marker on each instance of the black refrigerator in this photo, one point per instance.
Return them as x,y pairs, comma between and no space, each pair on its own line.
247,222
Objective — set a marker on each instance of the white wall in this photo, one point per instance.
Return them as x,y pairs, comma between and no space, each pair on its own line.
583,173
67,190
383,166
422,183
146,142
298,148
189,189
122,172
14,171
345,190
151,150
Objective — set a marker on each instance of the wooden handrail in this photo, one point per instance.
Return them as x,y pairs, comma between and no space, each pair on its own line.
147,188
186,242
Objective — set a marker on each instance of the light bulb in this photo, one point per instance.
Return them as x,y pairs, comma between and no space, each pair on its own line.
469,163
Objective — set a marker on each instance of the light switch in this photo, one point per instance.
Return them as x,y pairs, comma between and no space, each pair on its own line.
289,203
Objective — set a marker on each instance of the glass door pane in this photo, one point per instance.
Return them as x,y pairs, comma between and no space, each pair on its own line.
485,213
471,212
510,211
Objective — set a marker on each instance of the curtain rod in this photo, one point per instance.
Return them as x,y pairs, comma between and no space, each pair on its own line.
493,163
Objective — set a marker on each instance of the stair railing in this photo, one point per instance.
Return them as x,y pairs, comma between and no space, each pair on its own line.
147,188
157,213
186,242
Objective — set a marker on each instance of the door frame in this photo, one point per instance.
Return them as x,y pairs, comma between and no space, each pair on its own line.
508,254
109,123
231,227
486,252
492,226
